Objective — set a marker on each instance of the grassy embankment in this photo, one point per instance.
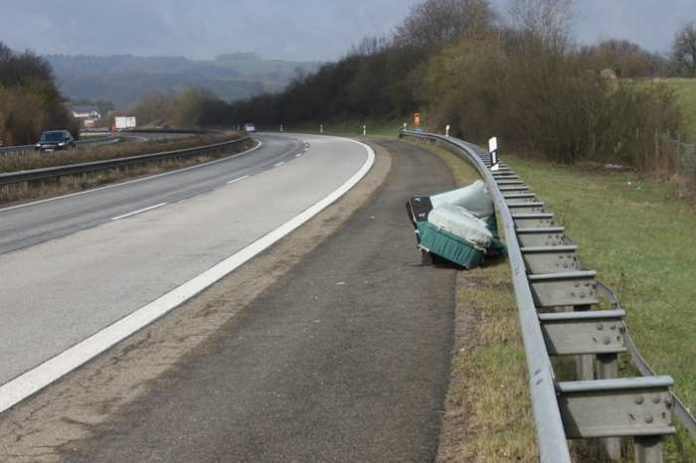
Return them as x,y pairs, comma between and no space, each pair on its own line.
640,239
642,242
685,93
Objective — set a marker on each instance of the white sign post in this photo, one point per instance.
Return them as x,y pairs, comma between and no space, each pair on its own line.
447,129
493,150
281,127
364,130
321,128
405,125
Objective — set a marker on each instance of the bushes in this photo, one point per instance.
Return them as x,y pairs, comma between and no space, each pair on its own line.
544,101
29,99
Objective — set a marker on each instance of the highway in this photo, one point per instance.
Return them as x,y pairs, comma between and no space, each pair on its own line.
23,225
75,265
333,345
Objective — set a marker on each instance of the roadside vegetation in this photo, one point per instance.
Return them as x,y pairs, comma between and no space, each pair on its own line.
36,160
29,99
74,183
641,240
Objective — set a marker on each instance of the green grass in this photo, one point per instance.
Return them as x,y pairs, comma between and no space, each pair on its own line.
685,91
642,241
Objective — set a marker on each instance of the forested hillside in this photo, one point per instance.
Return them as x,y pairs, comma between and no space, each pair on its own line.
125,79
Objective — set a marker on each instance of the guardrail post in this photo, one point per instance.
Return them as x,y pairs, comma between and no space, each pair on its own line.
608,368
584,364
649,449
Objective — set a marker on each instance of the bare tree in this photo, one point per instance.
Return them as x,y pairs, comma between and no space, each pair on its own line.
369,46
684,50
435,23
549,20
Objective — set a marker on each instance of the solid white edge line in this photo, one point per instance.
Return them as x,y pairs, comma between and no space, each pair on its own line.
238,179
53,369
279,164
139,211
137,180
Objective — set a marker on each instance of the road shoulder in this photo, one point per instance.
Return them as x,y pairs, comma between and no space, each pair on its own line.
78,406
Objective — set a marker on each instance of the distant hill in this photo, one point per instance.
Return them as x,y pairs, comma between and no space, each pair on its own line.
124,79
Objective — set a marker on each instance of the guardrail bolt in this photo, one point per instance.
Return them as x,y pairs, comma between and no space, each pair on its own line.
657,399
600,327
639,400
648,418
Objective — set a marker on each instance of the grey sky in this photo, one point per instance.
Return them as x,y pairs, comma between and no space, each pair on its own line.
306,29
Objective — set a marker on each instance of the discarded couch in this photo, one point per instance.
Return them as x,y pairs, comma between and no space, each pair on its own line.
458,225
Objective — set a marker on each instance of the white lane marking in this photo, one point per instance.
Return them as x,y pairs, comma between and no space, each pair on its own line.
279,164
41,376
137,180
238,179
299,154
139,211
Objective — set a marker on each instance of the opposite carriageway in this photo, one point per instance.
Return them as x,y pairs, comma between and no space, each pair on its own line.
556,300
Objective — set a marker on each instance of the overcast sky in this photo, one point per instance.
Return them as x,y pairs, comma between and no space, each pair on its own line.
296,30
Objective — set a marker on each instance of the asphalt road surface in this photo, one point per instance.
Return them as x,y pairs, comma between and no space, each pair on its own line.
346,358
40,221
72,266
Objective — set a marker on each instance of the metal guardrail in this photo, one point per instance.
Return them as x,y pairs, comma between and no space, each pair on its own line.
88,167
555,298
23,148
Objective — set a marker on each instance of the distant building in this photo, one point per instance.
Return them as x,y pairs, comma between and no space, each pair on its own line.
88,114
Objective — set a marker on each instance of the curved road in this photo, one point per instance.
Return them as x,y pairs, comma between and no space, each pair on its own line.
75,265
26,225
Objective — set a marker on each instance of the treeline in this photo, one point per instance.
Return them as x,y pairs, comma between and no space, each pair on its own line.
459,63
29,99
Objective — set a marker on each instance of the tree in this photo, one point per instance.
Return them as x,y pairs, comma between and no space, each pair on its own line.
547,20
29,98
625,58
684,50
436,23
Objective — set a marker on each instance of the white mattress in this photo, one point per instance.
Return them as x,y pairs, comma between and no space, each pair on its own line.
461,223
475,198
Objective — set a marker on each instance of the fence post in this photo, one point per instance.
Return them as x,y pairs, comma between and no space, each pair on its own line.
657,149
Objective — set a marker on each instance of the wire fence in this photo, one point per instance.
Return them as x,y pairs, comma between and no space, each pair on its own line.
674,159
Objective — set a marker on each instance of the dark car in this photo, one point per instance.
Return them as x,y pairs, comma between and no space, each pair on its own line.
53,140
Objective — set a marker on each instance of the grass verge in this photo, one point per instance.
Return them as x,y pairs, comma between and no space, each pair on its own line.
488,415
38,160
41,189
685,93
641,240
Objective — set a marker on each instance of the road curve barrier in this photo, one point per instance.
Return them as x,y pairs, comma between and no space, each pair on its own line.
89,167
558,304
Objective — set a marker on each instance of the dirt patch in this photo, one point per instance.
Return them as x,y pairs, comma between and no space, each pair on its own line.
43,427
